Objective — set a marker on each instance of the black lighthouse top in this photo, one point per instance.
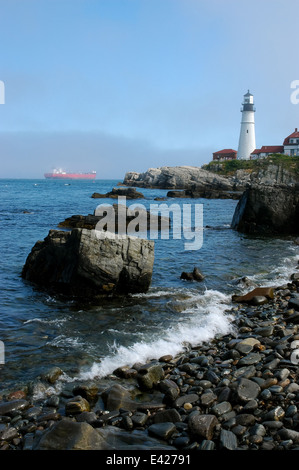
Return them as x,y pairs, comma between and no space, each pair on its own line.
247,104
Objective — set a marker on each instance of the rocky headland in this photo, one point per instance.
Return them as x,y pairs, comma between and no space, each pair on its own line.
240,391
180,177
218,180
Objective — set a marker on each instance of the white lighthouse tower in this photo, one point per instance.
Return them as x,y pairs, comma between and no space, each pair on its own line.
247,132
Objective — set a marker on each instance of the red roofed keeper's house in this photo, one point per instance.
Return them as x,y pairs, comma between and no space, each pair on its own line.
266,150
290,147
225,154
291,144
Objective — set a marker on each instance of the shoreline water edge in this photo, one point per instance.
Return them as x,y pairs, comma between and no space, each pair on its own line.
238,391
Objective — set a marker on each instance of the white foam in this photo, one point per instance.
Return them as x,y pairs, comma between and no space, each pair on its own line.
279,275
56,321
196,325
64,341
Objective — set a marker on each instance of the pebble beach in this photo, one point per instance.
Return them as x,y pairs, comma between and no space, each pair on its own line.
239,391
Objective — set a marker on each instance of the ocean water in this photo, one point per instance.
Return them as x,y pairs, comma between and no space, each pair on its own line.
40,331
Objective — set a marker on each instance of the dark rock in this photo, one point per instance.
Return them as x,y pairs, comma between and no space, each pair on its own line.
87,417
8,433
221,408
251,358
6,408
245,419
125,372
285,433
139,418
118,217
195,275
294,302
170,389
258,430
247,390
275,414
150,375
189,398
181,442
76,405
82,264
202,425
69,435
177,194
268,210
114,438
129,193
228,440
116,397
52,375
53,401
207,445
162,430
208,398
89,391
171,415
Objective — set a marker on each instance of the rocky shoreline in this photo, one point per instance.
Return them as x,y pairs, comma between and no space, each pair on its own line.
237,392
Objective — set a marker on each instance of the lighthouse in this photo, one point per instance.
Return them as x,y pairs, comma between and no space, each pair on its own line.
247,132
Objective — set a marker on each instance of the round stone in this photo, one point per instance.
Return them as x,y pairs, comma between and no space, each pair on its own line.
247,390
188,406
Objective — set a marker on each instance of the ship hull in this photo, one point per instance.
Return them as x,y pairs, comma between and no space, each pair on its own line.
70,176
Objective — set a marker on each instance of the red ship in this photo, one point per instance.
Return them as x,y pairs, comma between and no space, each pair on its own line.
61,174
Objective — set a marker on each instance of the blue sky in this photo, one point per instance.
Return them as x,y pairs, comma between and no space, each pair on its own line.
121,85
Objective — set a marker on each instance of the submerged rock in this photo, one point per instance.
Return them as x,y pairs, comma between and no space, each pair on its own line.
87,263
129,193
195,275
120,217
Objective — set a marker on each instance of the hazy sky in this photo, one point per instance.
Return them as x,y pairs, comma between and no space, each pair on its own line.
120,85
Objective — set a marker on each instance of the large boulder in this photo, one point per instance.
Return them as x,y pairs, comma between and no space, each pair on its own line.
269,210
69,435
88,263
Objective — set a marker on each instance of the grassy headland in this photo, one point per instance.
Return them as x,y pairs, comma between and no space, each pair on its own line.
229,168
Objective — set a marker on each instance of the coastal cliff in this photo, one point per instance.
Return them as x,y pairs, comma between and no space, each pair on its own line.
179,177
235,175
268,210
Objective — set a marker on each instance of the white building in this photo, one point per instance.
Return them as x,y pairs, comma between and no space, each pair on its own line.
247,133
291,144
290,147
